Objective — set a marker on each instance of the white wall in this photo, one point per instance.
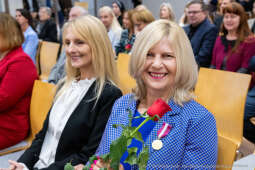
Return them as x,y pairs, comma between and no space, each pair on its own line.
178,6
15,5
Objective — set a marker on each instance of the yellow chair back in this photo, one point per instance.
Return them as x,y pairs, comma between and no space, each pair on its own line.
224,94
126,81
41,101
47,58
82,4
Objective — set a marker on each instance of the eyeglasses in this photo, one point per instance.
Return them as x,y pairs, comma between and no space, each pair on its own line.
193,12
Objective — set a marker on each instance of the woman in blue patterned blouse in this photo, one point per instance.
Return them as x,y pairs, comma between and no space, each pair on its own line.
163,64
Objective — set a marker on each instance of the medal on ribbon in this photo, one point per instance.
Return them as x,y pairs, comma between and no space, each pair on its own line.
163,131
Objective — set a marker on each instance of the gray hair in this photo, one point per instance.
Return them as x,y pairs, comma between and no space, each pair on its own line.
48,10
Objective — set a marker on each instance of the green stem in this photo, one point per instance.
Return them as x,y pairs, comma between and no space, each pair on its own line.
146,120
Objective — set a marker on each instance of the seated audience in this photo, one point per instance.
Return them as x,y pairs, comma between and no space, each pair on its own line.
166,11
141,18
201,32
249,113
218,16
17,75
75,124
127,38
251,21
235,46
164,68
118,9
46,29
31,39
111,24
58,71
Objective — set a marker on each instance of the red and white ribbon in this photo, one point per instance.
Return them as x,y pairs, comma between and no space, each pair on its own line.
164,130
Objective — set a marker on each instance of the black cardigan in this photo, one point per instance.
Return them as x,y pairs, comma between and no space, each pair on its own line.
82,132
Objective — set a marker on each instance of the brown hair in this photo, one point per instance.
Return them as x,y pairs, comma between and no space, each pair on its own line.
10,32
243,30
129,14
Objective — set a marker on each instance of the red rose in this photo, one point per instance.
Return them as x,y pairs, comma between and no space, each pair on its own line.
128,47
159,107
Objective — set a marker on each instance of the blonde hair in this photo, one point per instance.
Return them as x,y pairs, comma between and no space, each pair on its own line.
115,26
10,33
170,10
144,16
187,70
92,30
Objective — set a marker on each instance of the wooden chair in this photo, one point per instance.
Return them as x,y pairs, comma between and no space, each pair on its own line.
47,58
82,4
37,56
41,101
126,81
224,94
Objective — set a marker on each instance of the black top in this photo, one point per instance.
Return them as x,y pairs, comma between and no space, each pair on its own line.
82,132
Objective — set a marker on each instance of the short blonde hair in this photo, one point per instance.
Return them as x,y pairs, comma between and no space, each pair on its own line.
144,16
170,9
187,69
10,33
91,29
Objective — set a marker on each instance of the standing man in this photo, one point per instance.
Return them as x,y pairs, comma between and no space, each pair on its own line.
201,32
47,29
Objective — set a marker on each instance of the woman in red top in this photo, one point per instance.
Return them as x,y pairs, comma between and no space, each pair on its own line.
17,75
235,46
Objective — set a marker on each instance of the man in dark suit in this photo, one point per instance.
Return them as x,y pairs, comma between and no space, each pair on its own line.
201,32
47,29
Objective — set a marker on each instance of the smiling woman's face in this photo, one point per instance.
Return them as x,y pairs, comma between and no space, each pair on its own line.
78,51
160,67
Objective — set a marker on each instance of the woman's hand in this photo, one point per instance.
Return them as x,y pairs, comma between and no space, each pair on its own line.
13,166
101,164
78,167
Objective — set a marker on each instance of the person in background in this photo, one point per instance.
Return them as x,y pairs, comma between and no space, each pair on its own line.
163,65
249,112
218,16
141,18
141,7
17,75
111,24
31,39
127,38
118,9
251,21
235,46
58,71
201,32
75,124
166,11
183,21
46,29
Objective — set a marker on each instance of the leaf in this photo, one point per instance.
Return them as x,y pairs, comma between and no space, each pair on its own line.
92,158
130,116
138,136
143,158
129,141
105,157
68,166
132,157
85,168
127,131
117,149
